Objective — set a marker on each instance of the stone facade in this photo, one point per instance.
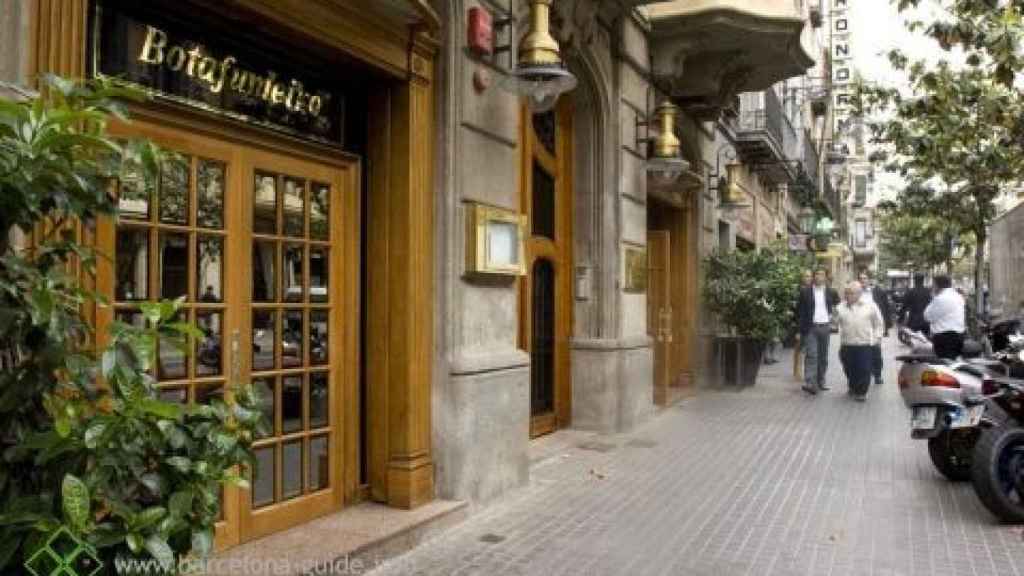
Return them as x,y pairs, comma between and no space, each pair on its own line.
482,377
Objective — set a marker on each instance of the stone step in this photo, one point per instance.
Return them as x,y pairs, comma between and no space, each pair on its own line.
352,541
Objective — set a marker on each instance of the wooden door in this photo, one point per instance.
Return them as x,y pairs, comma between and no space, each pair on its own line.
659,308
263,248
545,317
295,269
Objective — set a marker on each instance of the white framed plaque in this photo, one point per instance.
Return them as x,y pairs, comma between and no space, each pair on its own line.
494,240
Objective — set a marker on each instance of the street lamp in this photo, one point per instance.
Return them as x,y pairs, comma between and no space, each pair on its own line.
539,73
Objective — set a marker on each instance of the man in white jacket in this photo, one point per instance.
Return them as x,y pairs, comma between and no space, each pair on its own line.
860,330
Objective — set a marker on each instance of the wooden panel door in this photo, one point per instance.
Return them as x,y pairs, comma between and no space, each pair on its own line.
298,276
659,309
174,240
545,317
264,248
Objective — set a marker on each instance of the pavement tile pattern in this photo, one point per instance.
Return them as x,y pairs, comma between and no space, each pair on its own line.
762,481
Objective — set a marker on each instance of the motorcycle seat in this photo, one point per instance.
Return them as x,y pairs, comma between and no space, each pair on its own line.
923,359
972,370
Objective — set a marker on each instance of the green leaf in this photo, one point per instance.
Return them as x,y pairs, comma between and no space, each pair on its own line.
109,362
181,503
153,482
94,433
148,517
151,312
202,542
63,427
135,542
180,462
75,501
161,409
159,549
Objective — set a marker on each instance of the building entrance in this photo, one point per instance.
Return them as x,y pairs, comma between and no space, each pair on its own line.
261,246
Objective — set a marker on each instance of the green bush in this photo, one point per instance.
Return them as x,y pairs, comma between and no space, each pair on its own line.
753,293
85,442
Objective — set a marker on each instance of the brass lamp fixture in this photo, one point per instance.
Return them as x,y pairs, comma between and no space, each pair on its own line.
539,74
730,197
664,161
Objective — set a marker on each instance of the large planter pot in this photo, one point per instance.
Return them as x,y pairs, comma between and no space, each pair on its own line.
739,360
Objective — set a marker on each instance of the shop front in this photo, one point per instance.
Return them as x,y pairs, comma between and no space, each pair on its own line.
293,214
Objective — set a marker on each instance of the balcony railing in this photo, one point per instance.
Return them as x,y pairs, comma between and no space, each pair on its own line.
810,160
763,134
763,112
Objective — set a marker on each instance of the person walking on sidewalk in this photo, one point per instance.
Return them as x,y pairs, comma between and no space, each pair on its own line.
914,304
860,328
876,295
814,311
946,315
798,359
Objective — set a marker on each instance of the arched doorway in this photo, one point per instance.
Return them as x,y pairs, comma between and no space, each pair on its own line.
545,311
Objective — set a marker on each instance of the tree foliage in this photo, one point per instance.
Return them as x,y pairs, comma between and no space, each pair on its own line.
955,133
984,28
85,441
917,242
753,292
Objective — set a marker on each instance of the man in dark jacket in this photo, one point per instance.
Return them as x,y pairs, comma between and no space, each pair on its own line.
914,303
876,294
815,306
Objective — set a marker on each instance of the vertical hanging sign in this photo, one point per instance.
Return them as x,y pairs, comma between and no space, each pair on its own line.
841,56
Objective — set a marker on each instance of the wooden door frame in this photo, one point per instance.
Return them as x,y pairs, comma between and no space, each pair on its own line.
558,252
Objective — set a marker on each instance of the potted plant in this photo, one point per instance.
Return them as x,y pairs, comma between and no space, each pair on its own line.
753,294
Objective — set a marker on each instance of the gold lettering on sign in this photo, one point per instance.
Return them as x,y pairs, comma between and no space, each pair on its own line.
213,72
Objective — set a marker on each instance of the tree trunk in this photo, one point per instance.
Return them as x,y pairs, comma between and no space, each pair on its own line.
979,271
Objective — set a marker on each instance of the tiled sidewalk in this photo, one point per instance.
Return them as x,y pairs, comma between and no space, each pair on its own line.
762,481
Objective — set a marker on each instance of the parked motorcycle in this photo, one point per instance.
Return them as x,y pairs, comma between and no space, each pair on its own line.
997,472
936,391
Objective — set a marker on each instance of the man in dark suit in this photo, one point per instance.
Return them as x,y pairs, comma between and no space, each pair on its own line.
876,294
914,303
815,307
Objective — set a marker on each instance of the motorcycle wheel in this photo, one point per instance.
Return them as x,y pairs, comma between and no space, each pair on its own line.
998,472
951,452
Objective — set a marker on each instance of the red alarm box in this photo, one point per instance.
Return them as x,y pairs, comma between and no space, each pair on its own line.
480,31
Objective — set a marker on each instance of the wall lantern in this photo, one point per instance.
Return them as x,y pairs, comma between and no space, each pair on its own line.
821,234
807,218
663,161
539,73
730,193
724,186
